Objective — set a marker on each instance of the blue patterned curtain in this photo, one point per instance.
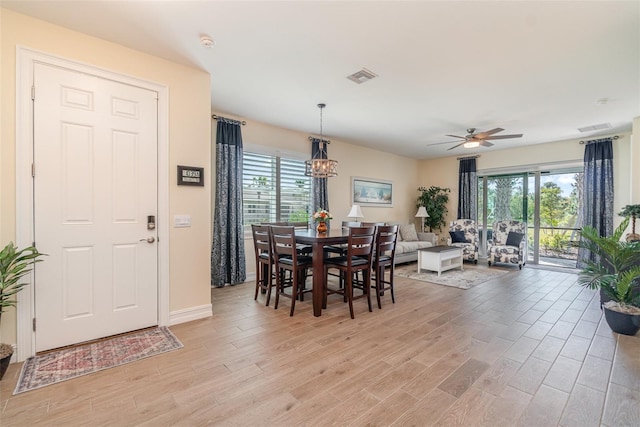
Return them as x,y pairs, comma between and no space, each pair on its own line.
227,253
467,189
319,194
597,206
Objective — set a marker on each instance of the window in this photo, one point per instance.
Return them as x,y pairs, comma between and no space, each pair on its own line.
274,189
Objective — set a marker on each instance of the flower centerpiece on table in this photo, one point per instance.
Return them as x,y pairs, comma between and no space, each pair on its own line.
321,216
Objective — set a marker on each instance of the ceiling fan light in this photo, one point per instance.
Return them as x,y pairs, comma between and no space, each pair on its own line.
471,144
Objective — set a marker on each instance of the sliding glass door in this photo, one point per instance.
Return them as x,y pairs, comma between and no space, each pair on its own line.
559,219
500,198
548,201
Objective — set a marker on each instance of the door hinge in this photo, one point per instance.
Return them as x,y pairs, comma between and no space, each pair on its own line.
33,93
33,170
34,324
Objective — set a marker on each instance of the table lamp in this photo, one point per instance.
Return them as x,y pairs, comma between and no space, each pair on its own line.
355,212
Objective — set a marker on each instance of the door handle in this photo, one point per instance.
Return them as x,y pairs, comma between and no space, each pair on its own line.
149,239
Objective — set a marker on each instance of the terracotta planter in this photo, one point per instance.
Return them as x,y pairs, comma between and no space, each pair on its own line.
622,323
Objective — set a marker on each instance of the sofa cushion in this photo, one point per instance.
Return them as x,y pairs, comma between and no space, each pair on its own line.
407,247
408,232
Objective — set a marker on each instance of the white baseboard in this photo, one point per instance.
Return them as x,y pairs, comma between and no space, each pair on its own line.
189,314
251,277
14,356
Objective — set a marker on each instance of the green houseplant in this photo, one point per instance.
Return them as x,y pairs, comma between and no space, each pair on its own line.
435,200
616,272
631,211
15,264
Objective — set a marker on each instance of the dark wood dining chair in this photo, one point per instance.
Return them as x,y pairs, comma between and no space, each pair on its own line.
358,257
383,257
341,249
372,224
264,260
302,249
287,259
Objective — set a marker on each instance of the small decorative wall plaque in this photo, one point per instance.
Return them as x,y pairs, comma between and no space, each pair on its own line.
190,175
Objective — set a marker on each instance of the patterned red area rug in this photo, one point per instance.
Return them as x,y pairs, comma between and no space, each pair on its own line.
65,364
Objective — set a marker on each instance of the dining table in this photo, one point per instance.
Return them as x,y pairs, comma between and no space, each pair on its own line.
318,241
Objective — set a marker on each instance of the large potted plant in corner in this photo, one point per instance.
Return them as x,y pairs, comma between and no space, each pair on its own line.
15,264
617,274
435,200
631,211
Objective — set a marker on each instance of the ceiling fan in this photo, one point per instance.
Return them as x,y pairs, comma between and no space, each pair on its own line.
474,139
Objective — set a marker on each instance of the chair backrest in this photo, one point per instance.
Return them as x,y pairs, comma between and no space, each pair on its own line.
350,224
386,238
360,243
468,226
501,230
371,224
298,225
283,242
261,239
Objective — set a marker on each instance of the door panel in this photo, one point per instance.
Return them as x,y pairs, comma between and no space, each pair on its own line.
548,201
95,155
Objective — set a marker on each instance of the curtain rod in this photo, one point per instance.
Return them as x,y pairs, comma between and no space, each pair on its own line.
468,157
232,121
614,137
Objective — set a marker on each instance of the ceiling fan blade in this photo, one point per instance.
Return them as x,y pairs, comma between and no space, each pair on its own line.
440,143
484,135
456,146
519,135
456,136
485,143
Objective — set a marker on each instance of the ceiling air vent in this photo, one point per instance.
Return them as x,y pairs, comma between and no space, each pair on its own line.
362,76
595,127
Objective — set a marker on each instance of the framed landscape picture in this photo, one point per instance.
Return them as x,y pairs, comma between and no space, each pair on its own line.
371,192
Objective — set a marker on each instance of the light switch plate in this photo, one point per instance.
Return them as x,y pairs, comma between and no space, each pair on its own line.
182,221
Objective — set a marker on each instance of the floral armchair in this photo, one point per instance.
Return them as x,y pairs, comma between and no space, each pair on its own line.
509,243
463,234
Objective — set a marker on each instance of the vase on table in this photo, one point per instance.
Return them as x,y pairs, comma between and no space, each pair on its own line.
322,227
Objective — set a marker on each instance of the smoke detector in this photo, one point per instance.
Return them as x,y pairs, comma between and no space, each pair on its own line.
207,42
362,76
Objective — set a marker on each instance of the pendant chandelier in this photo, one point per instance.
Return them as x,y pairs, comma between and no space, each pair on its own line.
318,166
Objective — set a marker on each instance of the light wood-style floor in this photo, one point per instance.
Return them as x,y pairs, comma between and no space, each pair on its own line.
529,348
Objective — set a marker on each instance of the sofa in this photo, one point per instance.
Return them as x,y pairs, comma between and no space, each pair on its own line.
409,241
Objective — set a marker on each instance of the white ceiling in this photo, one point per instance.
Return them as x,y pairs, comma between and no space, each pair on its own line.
531,67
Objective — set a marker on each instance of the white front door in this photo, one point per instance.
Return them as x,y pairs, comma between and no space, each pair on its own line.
95,191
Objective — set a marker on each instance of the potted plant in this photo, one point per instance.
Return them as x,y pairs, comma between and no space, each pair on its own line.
435,200
632,211
14,266
616,272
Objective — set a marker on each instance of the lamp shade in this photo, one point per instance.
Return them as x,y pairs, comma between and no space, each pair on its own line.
355,212
422,212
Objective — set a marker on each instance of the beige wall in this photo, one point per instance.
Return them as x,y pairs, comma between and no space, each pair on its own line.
189,142
635,160
443,172
353,160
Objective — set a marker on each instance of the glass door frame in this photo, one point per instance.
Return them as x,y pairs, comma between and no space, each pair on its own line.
526,173
485,206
